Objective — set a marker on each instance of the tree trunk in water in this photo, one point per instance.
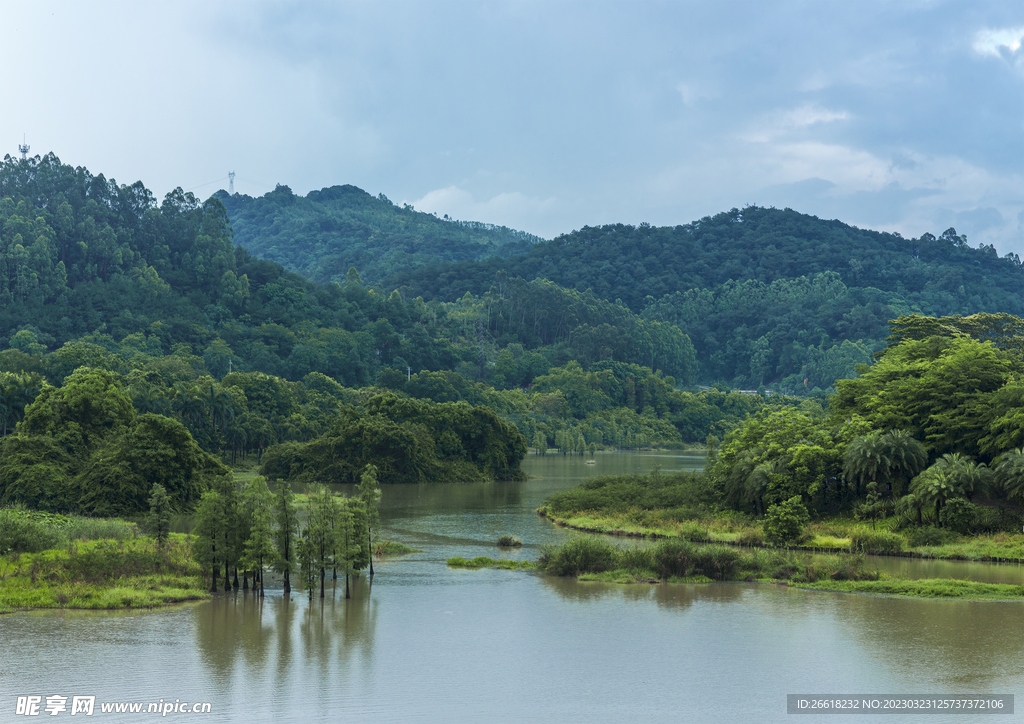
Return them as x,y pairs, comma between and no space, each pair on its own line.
369,542
323,574
235,585
245,580
287,583
347,594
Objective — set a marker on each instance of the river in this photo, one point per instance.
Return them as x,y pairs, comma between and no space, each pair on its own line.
433,644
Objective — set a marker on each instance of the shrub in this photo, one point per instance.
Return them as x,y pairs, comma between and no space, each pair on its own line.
582,554
785,522
958,514
19,533
864,540
750,537
635,559
694,532
509,541
716,562
929,535
673,557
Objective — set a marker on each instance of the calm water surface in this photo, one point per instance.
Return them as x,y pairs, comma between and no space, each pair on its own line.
433,644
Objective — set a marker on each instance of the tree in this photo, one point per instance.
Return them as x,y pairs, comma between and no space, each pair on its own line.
259,545
208,546
159,519
286,532
369,496
785,521
951,476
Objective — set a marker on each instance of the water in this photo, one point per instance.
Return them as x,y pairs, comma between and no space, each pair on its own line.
434,644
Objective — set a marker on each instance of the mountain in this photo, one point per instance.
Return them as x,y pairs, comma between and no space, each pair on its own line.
324,233
765,295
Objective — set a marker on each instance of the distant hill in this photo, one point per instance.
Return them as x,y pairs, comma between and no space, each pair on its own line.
765,295
326,232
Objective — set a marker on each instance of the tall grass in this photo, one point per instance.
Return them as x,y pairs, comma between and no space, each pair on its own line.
679,558
23,531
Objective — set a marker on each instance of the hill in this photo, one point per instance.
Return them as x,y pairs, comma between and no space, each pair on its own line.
324,233
765,295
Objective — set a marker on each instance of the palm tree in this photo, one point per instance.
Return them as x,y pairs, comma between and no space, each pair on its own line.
892,458
907,457
865,460
911,507
1009,473
951,476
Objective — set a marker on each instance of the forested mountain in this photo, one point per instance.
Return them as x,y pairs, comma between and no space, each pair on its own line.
765,295
326,232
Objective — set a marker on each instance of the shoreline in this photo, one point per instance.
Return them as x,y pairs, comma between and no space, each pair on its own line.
654,534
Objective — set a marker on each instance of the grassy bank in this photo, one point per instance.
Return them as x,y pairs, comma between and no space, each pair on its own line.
386,548
675,560
924,588
485,562
830,535
101,574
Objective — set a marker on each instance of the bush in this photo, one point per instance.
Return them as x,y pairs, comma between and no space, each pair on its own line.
750,537
958,515
929,535
673,557
716,562
695,532
509,541
19,533
582,554
865,540
785,522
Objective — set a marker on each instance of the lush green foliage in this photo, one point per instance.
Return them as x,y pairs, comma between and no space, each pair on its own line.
326,232
764,294
785,522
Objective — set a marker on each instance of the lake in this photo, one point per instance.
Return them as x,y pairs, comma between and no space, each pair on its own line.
431,644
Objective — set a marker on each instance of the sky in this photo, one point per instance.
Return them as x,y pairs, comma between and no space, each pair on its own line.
543,116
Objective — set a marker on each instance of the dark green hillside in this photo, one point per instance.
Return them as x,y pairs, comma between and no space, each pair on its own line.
765,295
324,233
764,245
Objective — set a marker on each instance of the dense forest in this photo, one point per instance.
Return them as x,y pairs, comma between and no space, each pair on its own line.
324,233
765,295
926,432
128,325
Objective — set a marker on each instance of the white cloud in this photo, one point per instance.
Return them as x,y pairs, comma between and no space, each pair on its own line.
991,42
513,209
778,123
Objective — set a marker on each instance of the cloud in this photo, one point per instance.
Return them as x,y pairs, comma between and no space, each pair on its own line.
992,42
512,209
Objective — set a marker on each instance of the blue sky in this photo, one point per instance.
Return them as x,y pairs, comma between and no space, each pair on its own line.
545,116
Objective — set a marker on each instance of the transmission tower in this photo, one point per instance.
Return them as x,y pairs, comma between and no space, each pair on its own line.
23,147
231,183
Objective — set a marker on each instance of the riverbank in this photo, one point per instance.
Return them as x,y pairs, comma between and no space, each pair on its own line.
675,560
101,574
822,537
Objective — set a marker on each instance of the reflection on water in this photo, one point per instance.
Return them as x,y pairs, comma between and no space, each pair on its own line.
429,643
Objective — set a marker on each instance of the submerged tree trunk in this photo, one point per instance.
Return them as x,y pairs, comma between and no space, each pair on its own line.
369,543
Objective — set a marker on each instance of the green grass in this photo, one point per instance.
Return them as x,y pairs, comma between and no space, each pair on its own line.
393,548
485,562
630,576
925,588
101,574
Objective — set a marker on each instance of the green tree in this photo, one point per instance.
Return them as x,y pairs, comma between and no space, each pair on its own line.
785,521
285,533
259,545
369,496
159,519
208,545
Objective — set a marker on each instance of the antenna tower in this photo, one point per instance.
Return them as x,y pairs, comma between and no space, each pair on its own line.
231,183
23,147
